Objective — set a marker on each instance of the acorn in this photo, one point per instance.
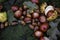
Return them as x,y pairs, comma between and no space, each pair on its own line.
1,6
35,15
1,25
24,7
35,1
36,28
6,24
14,23
37,10
18,14
44,27
27,19
44,38
31,26
38,23
24,13
38,34
14,8
20,9
33,23
42,19
22,22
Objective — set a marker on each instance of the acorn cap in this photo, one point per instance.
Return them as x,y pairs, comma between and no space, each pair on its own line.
48,8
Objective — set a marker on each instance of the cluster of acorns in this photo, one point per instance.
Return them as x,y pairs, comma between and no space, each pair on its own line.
37,20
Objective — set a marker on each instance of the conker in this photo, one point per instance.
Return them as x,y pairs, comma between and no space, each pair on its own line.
36,28
42,38
42,19
1,25
18,14
35,15
14,8
38,34
27,19
31,26
35,1
1,6
44,27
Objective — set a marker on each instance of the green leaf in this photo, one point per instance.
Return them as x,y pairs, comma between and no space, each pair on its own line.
11,17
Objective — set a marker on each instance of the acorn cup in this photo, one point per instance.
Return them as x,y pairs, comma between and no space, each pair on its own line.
51,13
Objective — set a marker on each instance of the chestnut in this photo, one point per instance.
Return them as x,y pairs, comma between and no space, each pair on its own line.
24,7
38,34
33,23
14,8
27,19
22,22
1,25
24,13
44,27
35,15
36,28
31,26
44,38
20,9
18,14
6,24
42,19
1,6
35,1
14,23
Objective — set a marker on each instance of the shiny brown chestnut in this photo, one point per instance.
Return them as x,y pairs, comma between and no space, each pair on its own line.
14,8
38,34
18,14
44,27
35,15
